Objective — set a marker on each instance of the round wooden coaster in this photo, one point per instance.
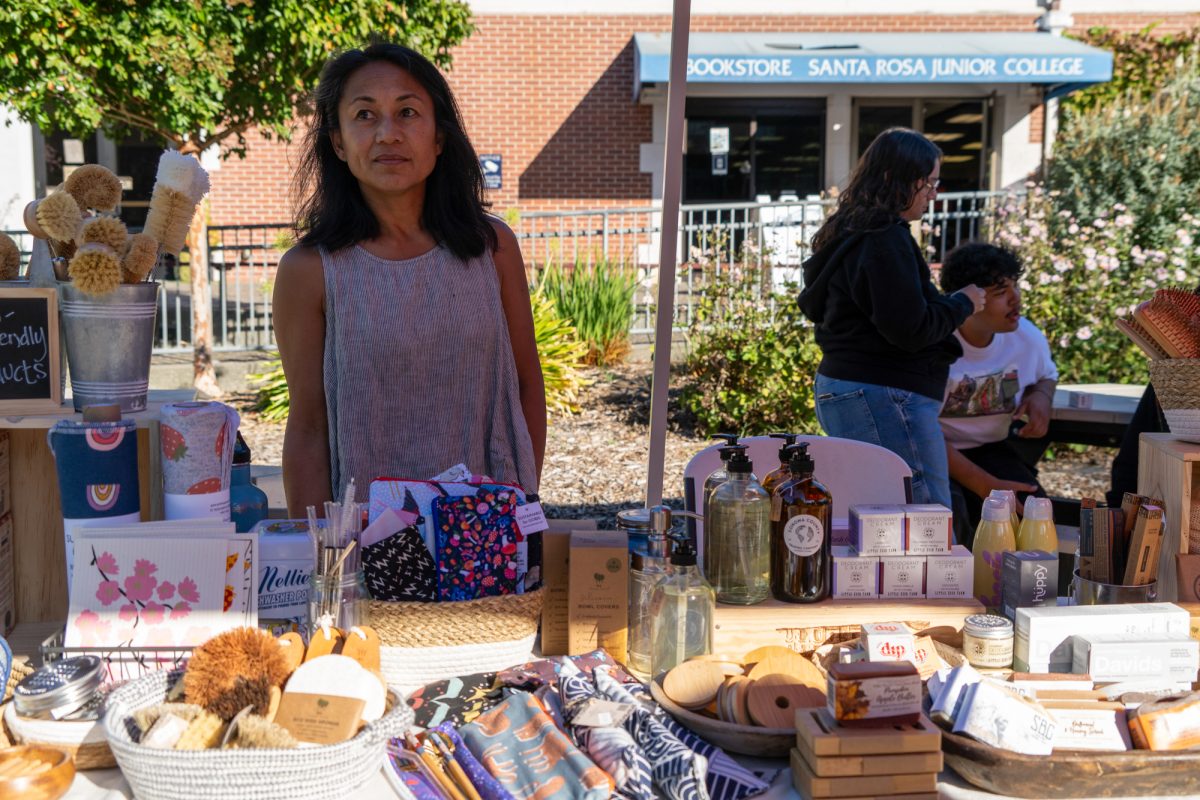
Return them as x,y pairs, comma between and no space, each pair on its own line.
792,664
774,699
739,691
759,653
694,684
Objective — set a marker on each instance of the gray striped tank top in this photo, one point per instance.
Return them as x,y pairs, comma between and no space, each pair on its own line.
419,371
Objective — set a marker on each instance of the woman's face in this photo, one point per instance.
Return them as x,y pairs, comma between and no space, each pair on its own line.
924,193
386,133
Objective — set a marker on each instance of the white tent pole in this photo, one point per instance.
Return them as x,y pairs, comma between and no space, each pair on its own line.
681,21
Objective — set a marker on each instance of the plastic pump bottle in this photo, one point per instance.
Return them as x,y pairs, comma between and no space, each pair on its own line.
1037,531
682,610
737,535
992,538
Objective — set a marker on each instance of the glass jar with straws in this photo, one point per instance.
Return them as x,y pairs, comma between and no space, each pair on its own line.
338,594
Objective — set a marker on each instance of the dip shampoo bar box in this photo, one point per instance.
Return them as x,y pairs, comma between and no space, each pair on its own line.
598,613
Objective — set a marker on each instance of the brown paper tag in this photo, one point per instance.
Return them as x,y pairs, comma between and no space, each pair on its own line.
776,507
318,718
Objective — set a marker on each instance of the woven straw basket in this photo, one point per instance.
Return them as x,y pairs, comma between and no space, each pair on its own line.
328,771
84,740
424,642
1177,385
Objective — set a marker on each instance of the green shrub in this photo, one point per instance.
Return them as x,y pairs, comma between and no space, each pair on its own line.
1141,153
751,357
559,350
598,301
1082,273
1142,62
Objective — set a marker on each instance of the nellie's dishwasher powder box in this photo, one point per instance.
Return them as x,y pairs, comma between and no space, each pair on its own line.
286,553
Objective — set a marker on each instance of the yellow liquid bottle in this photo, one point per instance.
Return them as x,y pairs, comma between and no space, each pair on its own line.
992,538
1010,498
1037,530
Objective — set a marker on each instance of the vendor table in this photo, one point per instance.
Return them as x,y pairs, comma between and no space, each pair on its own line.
38,545
1109,407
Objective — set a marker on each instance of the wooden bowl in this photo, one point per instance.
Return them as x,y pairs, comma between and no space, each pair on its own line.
35,772
748,740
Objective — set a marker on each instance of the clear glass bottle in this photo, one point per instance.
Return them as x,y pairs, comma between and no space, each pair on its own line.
682,611
801,545
647,569
1037,531
737,536
343,601
993,537
781,473
720,474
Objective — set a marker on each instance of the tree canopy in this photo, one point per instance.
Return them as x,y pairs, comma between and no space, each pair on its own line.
195,73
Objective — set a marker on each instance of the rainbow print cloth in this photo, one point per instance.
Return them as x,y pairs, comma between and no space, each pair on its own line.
97,474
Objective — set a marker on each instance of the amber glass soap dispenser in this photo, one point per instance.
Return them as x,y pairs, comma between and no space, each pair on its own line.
801,513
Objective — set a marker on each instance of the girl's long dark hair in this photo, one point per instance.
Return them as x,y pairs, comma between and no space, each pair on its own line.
887,177
332,210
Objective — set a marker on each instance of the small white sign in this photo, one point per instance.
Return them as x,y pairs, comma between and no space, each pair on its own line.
718,140
531,519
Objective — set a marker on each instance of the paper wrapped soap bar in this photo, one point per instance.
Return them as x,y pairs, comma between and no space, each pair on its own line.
1169,724
874,695
996,715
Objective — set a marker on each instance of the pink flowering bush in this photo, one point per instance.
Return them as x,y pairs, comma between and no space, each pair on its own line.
1080,274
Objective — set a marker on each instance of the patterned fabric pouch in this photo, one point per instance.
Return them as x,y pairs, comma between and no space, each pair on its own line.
454,700
488,787
530,756
476,548
546,671
612,747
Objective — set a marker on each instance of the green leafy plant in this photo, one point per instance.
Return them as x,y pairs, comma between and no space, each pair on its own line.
598,301
274,399
751,357
1142,62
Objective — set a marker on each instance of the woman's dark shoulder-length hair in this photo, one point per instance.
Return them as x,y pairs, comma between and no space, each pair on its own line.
883,184
333,213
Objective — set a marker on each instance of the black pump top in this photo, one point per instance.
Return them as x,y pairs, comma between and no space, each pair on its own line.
241,450
738,461
799,461
789,439
684,552
730,440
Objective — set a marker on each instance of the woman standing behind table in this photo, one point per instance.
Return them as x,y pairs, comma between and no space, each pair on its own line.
402,315
886,333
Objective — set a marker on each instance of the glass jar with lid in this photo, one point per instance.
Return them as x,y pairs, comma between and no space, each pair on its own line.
988,641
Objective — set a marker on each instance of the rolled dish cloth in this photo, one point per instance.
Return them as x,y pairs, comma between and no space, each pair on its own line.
197,456
97,465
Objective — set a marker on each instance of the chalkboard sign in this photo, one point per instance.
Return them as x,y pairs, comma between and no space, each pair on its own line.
30,369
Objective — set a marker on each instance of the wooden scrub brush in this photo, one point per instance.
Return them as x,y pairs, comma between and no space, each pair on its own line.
94,186
105,230
139,259
1169,326
10,258
95,269
233,670
179,186
59,217
254,732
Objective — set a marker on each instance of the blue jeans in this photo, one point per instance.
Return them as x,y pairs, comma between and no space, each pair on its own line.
904,422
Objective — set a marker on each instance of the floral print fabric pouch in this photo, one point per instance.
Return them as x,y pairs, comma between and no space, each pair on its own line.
476,545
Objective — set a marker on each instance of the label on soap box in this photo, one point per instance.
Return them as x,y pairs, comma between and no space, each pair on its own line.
1100,728
319,718
531,519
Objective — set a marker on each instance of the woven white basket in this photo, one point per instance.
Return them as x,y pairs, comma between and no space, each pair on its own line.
1184,423
408,668
328,771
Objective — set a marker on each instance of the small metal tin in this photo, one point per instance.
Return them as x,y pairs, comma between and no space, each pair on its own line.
60,686
988,626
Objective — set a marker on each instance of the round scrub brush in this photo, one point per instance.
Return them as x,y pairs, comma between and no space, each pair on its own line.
233,670
10,258
95,269
59,216
105,230
94,186
140,259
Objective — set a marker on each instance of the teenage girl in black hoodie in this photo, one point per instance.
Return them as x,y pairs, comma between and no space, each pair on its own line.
885,331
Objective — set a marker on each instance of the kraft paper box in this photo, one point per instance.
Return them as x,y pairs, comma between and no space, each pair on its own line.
556,601
928,529
1044,640
598,615
950,575
854,576
877,530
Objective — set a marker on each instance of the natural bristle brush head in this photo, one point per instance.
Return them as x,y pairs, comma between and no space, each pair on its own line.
139,260
94,186
233,670
105,230
95,269
258,733
169,218
10,258
59,216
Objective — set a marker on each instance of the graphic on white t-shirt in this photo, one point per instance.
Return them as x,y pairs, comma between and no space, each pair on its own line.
981,395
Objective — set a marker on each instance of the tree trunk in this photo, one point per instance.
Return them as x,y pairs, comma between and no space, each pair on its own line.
204,375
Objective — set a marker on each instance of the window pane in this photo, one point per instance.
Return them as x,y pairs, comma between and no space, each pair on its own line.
874,120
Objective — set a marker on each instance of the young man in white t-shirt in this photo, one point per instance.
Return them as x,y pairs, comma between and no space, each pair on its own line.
1005,376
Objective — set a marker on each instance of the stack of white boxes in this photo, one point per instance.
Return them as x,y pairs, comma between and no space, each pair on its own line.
902,552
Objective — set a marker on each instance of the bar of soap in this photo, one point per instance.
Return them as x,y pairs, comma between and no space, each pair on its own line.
165,732
994,714
1169,724
874,694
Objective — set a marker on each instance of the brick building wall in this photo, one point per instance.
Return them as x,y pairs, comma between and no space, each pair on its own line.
554,96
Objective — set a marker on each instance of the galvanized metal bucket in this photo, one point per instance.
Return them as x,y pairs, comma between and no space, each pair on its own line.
109,339
1094,593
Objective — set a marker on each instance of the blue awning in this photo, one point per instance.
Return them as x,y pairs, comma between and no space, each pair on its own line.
1062,65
